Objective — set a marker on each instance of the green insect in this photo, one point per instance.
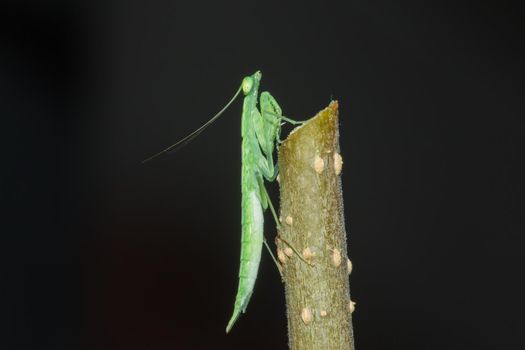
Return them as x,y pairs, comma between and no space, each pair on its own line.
260,131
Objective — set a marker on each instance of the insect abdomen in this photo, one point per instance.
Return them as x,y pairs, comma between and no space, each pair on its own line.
251,247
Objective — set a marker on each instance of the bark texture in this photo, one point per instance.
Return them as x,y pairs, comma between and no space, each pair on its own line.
311,212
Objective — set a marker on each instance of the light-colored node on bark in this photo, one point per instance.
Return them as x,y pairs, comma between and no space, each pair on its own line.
288,251
289,220
280,219
281,256
338,163
351,306
278,179
318,164
323,313
336,257
308,254
306,315
349,266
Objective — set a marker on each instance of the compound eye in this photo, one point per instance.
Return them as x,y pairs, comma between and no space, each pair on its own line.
247,85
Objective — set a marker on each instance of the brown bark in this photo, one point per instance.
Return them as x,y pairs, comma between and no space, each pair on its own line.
311,212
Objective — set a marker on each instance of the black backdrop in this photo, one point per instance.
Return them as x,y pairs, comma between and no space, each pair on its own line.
101,252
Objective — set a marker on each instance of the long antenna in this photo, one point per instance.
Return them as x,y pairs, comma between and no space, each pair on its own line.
195,133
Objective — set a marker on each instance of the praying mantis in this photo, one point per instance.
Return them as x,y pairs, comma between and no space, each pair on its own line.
260,131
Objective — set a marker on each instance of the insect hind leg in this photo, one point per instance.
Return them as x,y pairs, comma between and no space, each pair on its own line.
279,267
272,209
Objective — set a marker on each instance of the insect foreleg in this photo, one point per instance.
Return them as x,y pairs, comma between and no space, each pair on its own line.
267,125
267,168
291,121
270,109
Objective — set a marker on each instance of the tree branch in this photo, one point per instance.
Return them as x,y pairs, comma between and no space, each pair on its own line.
312,223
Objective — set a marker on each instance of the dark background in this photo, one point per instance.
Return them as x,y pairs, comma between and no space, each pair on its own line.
101,252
